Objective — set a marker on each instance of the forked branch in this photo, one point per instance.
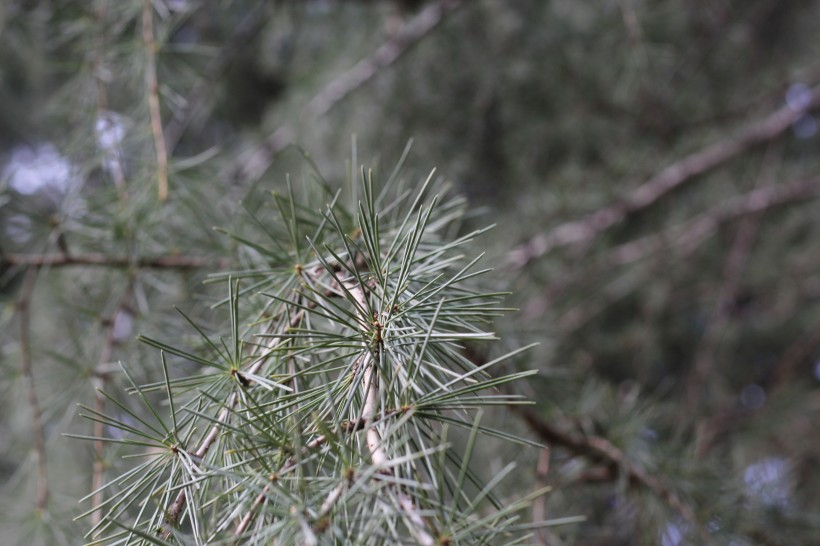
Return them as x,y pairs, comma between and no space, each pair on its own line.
675,175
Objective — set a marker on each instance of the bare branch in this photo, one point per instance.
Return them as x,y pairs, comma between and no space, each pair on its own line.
670,178
27,371
685,237
692,232
255,162
104,260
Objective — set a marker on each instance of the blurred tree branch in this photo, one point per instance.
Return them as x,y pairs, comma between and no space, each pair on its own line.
686,237
678,173
733,269
599,449
27,371
236,45
152,89
104,260
253,163
101,378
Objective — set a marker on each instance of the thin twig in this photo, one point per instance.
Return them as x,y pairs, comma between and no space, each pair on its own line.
682,171
691,233
249,516
255,162
719,315
319,441
152,88
27,371
105,260
599,448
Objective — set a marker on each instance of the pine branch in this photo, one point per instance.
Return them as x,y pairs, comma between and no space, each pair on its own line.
176,508
672,177
370,386
365,328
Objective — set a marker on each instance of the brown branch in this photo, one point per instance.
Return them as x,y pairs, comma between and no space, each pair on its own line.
598,448
27,371
675,175
152,88
695,230
104,260
255,162
539,506
686,236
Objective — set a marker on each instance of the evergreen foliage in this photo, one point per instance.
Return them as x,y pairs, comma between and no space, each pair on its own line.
320,414
653,170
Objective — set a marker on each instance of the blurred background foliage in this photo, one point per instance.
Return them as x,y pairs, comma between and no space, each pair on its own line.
679,343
